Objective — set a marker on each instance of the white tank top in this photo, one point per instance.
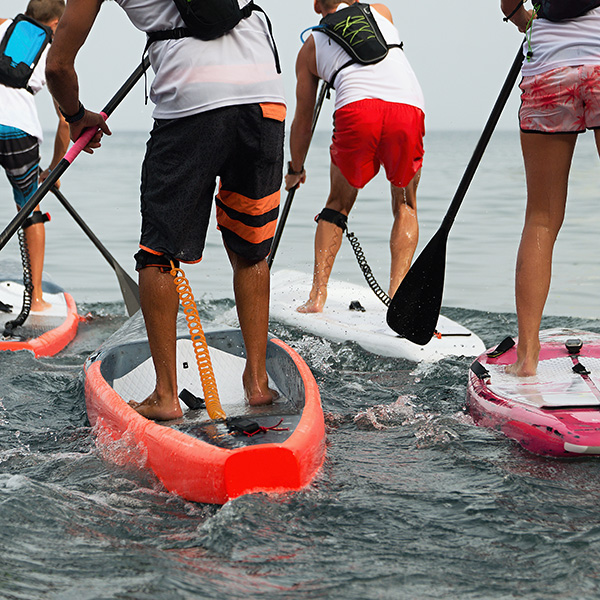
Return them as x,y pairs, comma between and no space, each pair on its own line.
17,106
391,79
193,76
564,44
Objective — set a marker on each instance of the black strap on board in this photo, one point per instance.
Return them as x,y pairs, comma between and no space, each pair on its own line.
479,370
504,346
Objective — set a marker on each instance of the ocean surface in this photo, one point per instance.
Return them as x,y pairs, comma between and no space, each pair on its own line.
413,502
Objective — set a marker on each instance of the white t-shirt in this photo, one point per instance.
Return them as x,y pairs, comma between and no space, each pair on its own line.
193,76
17,106
391,79
564,44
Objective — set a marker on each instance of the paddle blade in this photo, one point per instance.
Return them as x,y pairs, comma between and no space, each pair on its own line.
414,310
129,290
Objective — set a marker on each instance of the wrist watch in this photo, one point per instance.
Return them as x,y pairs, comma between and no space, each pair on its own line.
291,170
76,117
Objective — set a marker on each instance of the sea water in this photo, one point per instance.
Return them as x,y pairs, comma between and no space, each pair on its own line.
413,501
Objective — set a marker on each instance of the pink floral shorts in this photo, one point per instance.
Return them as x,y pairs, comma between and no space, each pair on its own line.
563,100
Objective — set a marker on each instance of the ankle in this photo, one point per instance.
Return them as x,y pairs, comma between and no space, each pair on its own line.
528,349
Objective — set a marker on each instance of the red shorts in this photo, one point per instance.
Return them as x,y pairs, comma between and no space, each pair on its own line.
369,133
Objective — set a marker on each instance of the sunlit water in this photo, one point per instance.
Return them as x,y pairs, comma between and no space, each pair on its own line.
413,501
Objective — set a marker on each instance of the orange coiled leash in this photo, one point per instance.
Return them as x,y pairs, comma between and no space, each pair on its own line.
207,376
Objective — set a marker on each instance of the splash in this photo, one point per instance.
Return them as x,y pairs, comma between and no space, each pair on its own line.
122,451
383,416
317,351
11,483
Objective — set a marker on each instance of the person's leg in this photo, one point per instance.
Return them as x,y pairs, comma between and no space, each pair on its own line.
401,153
247,209
160,302
251,289
35,235
547,161
328,240
21,161
178,181
405,231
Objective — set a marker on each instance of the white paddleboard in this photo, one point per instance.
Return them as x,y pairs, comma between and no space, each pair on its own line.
290,289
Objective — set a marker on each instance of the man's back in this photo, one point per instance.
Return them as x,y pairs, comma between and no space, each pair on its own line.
392,79
195,76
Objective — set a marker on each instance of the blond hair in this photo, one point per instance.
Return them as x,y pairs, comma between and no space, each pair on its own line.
45,11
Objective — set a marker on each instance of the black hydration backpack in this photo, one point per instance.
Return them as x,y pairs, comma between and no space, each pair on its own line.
209,20
20,51
355,29
559,10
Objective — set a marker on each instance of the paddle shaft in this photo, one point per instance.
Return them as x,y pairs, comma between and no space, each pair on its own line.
486,135
70,156
129,288
290,197
414,310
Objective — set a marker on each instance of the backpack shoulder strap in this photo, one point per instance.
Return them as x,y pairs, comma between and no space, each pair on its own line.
249,8
215,31
330,84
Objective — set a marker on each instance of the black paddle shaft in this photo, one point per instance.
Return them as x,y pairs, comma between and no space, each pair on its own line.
486,135
415,307
290,197
64,164
129,288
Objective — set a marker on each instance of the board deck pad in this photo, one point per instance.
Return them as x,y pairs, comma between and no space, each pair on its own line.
11,292
139,383
290,289
555,384
219,434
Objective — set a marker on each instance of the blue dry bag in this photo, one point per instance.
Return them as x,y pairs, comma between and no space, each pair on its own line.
20,51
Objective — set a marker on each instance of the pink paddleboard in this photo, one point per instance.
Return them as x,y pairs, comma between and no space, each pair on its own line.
556,412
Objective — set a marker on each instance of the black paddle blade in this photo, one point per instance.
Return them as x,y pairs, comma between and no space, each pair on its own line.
129,290
415,307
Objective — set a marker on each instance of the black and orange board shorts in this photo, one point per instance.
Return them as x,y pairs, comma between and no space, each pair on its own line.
242,146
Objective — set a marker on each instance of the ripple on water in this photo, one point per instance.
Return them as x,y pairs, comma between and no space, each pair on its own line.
413,501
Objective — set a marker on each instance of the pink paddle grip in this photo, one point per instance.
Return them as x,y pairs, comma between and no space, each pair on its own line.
82,141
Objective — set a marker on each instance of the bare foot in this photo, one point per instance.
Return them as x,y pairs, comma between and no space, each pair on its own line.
523,368
258,393
40,305
313,305
157,409
528,355
261,398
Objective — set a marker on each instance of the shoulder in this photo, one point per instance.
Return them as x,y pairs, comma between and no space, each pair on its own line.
307,56
383,10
